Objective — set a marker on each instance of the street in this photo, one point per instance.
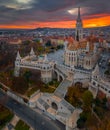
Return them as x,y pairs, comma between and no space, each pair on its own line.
36,120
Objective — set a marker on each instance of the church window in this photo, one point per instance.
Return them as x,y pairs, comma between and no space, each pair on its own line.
94,83
105,89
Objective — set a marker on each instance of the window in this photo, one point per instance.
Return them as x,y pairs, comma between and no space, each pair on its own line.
105,89
94,83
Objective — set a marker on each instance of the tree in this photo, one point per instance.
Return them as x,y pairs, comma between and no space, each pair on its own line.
20,85
27,42
81,121
48,43
27,75
87,99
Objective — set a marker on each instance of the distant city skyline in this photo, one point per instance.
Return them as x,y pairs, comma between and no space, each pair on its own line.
30,14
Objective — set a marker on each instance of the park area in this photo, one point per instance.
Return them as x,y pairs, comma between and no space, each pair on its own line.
21,126
5,116
95,114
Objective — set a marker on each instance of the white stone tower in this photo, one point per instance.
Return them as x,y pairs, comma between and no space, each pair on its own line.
87,47
32,53
17,65
79,27
95,48
46,70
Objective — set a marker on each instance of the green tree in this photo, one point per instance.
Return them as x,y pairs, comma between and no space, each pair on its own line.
27,75
87,99
27,42
20,85
48,43
81,121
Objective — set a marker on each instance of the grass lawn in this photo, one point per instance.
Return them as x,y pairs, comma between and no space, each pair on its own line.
45,88
31,91
21,126
5,116
49,88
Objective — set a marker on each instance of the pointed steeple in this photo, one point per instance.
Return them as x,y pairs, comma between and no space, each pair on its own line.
79,15
32,53
45,58
18,56
79,27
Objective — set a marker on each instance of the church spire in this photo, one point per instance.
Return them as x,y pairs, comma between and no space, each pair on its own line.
45,58
18,56
79,27
32,53
79,15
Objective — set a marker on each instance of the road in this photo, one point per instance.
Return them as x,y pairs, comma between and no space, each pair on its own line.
36,120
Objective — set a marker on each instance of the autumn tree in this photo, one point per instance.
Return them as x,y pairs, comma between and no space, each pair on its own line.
20,85
87,99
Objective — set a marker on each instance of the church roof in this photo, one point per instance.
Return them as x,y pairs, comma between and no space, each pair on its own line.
73,46
18,56
82,44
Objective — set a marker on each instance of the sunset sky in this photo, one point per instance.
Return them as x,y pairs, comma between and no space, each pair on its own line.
53,13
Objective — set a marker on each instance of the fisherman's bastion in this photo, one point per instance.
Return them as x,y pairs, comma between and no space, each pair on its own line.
80,64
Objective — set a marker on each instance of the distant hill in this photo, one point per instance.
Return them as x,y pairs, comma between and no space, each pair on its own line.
49,29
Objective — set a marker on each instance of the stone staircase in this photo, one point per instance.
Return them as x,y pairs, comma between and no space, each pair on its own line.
62,88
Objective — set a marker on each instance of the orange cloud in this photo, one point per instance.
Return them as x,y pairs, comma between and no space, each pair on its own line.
94,22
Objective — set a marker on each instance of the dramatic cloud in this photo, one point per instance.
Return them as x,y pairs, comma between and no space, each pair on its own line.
35,13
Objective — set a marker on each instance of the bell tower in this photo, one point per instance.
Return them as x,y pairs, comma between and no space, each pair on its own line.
79,27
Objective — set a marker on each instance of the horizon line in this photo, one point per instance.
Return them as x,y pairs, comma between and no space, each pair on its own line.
49,27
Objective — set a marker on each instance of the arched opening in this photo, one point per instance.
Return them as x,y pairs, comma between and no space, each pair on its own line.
61,78
79,84
54,106
55,75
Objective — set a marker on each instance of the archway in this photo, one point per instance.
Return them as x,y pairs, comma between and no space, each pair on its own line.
54,106
79,84
55,75
60,78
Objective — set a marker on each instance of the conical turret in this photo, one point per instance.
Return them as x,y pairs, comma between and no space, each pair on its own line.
32,53
96,72
45,58
18,56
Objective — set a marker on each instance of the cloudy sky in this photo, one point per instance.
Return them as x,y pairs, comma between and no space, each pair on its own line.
53,13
